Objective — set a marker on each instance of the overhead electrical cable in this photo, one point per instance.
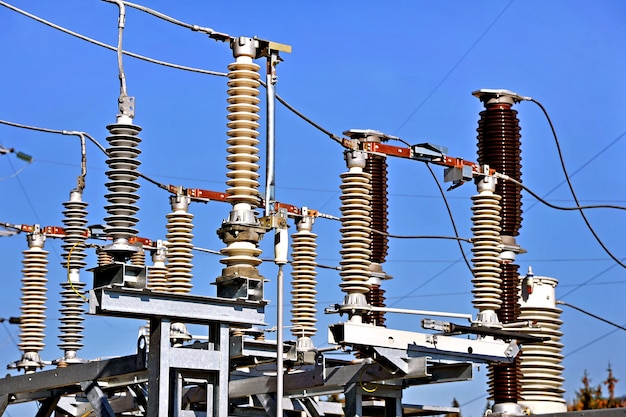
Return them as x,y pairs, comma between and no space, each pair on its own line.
571,187
110,47
591,315
554,206
454,67
456,232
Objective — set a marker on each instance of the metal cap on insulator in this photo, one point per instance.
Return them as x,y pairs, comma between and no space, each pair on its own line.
180,202
486,183
36,239
355,159
498,96
243,46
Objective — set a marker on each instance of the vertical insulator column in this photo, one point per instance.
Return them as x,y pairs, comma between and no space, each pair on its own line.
355,236
122,186
242,232
499,147
34,290
486,251
376,166
303,301
542,371
243,91
157,280
179,246
72,311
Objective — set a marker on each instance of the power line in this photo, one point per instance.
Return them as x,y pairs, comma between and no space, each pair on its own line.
454,67
571,187
591,315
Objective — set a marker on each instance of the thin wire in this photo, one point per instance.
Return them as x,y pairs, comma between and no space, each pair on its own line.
456,232
589,280
580,168
597,339
10,335
591,315
425,282
306,119
457,238
554,206
16,173
571,188
454,67
110,47
67,266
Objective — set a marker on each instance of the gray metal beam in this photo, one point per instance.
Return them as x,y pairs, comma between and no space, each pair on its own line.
72,375
145,304
47,407
97,399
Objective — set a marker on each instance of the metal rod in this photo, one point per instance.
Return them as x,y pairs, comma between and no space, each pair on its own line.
270,78
423,312
279,342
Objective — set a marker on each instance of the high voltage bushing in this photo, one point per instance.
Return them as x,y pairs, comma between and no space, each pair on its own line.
72,311
34,296
122,209
157,280
499,147
303,301
486,250
541,364
241,232
179,246
355,236
123,185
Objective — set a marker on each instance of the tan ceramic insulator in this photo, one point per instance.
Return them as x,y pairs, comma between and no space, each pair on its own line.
243,91
123,185
33,298
72,317
179,251
486,251
355,231
541,363
157,279
104,258
138,258
304,264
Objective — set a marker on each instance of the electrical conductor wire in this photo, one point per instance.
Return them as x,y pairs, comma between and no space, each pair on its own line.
571,187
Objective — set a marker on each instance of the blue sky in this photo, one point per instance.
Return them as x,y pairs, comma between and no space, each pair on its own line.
406,68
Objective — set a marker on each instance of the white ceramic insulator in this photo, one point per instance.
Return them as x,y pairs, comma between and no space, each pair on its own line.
179,250
542,380
33,298
243,91
486,251
123,184
355,231
303,293
72,316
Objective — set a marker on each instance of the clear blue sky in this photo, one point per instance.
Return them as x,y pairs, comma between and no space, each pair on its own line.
405,68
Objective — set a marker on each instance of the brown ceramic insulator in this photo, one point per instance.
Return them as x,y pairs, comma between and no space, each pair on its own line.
376,298
499,147
510,308
376,166
504,382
